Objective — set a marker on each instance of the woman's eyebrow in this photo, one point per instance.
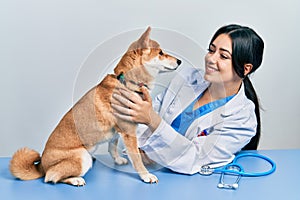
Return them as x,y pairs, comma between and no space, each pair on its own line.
222,49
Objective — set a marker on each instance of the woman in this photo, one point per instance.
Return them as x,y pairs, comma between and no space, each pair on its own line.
202,119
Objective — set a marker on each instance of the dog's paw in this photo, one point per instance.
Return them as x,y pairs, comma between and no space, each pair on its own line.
149,178
76,181
121,161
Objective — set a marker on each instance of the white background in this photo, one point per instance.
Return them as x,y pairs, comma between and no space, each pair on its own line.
44,43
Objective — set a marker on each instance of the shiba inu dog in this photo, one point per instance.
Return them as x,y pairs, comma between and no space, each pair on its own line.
90,121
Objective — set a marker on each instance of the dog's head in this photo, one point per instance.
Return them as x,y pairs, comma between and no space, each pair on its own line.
147,53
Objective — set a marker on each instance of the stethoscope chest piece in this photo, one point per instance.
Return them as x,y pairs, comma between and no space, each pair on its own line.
206,170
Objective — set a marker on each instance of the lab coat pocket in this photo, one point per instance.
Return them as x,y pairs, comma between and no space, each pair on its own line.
204,132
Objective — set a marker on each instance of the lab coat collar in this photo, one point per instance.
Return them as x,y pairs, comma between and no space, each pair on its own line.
217,116
196,84
185,89
194,90
236,103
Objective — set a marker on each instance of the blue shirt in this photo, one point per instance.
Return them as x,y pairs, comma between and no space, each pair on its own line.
182,122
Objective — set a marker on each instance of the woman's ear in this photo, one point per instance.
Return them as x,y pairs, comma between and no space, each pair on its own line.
247,68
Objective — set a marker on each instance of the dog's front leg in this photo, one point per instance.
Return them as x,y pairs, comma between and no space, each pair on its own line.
130,142
113,150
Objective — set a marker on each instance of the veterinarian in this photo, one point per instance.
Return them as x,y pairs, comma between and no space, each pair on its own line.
202,118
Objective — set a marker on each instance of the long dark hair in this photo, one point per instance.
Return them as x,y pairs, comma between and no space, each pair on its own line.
247,47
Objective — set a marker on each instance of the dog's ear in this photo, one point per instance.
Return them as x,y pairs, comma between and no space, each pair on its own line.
144,40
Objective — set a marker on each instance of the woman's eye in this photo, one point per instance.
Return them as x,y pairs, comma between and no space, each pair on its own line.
224,56
161,53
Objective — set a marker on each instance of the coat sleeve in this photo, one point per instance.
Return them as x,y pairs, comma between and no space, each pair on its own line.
178,153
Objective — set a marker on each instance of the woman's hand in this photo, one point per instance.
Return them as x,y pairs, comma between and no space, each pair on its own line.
135,109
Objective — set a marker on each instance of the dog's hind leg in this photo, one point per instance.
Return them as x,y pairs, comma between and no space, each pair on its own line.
113,150
70,170
62,170
130,142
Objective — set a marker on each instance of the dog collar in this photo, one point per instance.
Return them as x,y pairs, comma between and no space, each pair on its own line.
139,84
121,78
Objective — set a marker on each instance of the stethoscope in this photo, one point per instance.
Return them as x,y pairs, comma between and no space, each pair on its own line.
236,169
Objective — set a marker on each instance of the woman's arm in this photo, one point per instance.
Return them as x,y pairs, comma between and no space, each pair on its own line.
170,149
160,141
180,154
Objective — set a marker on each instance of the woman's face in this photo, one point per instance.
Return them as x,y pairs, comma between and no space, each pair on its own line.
218,62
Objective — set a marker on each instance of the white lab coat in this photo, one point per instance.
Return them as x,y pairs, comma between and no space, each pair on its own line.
229,127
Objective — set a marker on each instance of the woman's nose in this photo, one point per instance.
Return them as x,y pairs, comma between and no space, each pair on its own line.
212,58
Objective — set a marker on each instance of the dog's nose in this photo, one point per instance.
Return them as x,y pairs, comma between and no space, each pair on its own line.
178,62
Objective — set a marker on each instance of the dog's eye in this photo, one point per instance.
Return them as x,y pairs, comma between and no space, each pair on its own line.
161,53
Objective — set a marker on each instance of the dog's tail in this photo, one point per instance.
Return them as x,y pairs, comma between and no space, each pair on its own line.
26,164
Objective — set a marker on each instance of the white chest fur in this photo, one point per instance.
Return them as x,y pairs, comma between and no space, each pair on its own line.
86,162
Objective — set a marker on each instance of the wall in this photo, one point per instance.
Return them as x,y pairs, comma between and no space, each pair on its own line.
45,43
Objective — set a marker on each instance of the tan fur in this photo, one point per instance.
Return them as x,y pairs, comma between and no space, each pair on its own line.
22,164
90,121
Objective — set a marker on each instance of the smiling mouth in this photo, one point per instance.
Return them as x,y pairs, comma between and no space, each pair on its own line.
211,69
